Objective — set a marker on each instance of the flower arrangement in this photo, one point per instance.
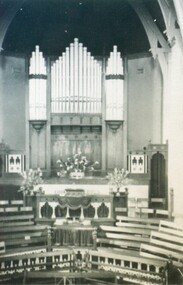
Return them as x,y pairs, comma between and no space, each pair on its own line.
118,178
76,163
31,178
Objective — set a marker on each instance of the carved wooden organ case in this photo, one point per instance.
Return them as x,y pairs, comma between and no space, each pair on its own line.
75,105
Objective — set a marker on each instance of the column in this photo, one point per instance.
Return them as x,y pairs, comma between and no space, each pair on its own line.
173,119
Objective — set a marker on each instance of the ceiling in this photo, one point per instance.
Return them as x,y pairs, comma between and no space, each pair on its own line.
99,24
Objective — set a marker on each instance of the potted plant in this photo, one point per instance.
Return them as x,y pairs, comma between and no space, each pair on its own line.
118,178
75,166
31,178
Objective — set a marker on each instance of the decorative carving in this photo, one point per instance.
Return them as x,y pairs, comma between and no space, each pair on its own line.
46,211
89,212
60,212
114,125
38,124
103,211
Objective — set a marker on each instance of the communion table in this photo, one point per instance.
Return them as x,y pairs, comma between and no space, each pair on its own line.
74,234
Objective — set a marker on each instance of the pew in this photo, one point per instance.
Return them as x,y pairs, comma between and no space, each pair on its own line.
137,222
17,227
123,236
166,243
129,232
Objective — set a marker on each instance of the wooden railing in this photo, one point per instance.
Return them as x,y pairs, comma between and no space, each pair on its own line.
81,259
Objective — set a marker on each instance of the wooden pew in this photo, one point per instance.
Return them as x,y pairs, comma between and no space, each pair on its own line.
17,226
165,243
171,228
123,236
129,222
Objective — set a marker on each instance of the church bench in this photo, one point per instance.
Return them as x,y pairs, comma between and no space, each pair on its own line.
137,222
17,228
130,244
16,220
123,230
26,241
126,237
171,228
6,220
158,252
167,241
16,224
123,237
14,207
15,235
25,229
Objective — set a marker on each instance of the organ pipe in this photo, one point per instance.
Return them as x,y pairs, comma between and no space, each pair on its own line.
76,82
66,97
71,97
80,93
114,86
37,86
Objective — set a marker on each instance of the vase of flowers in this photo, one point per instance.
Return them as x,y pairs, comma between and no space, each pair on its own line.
31,178
75,166
118,179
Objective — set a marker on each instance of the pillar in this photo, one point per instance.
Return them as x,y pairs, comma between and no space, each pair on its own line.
173,125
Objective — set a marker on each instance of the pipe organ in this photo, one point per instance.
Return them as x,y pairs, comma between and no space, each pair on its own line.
66,114
114,86
76,81
37,86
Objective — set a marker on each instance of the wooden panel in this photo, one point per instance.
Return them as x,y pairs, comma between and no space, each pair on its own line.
162,212
26,209
64,146
121,209
147,211
38,148
115,148
17,202
11,209
4,202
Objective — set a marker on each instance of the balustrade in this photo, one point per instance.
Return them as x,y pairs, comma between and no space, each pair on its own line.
47,209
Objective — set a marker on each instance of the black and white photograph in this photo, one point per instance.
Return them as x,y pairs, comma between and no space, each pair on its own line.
91,142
